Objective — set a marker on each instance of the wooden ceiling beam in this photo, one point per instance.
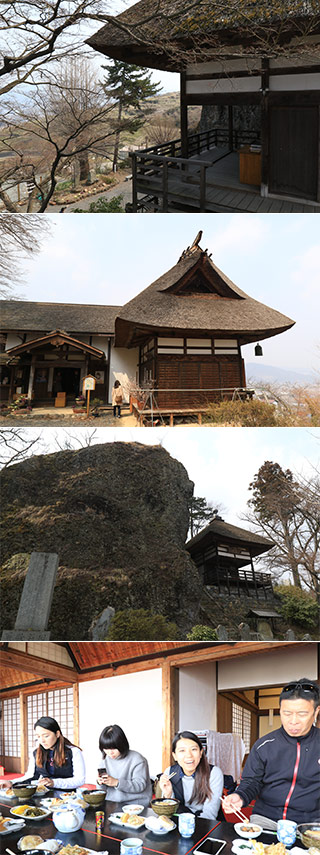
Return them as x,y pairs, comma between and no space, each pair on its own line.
10,658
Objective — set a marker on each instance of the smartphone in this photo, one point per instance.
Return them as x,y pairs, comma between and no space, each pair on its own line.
210,846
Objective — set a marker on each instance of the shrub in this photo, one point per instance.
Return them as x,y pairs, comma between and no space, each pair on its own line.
297,606
141,625
103,206
200,632
242,413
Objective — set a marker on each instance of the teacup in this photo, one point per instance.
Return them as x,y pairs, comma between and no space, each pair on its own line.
286,831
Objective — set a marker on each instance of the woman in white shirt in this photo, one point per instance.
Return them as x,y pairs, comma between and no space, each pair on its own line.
196,785
56,762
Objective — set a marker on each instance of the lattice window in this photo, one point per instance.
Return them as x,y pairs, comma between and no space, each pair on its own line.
241,724
11,727
58,704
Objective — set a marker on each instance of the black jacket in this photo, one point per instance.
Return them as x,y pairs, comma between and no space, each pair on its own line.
278,763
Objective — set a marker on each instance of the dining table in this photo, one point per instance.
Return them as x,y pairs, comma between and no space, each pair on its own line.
171,843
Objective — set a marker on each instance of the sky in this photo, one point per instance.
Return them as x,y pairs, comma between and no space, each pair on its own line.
91,258
220,461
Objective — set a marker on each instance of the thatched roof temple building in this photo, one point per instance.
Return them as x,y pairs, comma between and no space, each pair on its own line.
238,54
182,335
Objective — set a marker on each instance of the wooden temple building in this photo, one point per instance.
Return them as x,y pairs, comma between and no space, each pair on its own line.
224,554
181,336
263,54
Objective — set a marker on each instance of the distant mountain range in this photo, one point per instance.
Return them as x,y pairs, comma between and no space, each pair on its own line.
274,374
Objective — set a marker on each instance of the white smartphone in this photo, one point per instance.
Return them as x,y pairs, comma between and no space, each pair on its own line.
210,846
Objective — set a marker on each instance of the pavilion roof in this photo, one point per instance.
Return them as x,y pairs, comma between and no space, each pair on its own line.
44,317
162,38
218,530
226,311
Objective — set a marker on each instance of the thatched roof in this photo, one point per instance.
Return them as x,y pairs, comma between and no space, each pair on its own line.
44,317
160,35
226,311
219,531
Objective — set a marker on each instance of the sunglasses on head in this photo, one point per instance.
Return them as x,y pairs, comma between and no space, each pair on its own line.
304,687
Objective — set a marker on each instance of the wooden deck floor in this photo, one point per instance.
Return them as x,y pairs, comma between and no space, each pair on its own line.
224,192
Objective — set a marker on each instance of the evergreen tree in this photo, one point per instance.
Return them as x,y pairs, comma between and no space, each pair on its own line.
201,513
131,87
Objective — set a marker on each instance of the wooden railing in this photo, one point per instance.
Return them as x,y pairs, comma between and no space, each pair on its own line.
158,170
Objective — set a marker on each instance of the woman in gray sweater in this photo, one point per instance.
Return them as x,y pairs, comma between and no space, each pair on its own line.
125,775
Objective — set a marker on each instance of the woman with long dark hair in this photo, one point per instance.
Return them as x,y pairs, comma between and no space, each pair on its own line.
55,761
122,772
196,784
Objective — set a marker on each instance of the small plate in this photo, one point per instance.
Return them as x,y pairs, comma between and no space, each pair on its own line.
133,808
240,846
31,818
49,803
116,818
3,794
13,825
162,830
248,835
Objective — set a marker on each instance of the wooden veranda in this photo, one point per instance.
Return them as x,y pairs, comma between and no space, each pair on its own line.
207,179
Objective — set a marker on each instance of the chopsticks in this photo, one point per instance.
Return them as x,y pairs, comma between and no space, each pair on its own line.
171,776
237,813
10,851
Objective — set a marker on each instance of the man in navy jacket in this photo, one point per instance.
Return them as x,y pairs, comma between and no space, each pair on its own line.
282,772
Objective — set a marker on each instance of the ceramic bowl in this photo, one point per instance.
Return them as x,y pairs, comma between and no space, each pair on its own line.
254,830
309,839
131,808
94,797
24,791
165,806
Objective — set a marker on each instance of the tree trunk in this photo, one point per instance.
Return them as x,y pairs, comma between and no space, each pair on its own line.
84,166
117,140
7,202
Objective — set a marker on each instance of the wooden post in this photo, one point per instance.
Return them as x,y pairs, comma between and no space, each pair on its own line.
265,118
170,707
183,116
31,376
165,187
88,402
23,732
202,187
76,713
134,183
230,122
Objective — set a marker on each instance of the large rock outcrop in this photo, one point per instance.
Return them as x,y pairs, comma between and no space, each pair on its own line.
117,515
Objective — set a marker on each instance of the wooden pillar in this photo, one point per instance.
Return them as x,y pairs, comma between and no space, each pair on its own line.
12,374
230,125
24,754
76,713
265,118
31,376
183,115
170,709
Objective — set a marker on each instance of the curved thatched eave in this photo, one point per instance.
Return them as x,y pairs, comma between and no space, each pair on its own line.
166,40
219,530
130,334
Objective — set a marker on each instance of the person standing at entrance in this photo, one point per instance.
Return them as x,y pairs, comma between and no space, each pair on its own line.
117,398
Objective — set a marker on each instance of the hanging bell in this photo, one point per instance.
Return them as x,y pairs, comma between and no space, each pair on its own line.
258,350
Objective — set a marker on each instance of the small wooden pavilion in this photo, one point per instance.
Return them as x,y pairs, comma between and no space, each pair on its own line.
224,554
189,326
259,53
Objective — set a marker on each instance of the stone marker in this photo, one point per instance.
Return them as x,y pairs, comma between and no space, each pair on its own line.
264,630
99,628
36,598
289,635
245,632
222,632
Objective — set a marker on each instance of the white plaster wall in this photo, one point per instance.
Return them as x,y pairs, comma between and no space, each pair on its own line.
269,669
294,82
123,361
134,701
225,66
225,84
13,340
198,697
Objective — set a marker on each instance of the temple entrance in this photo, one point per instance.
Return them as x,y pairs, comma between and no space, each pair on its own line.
294,147
66,380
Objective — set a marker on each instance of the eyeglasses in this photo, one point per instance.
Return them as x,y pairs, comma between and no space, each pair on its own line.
304,687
